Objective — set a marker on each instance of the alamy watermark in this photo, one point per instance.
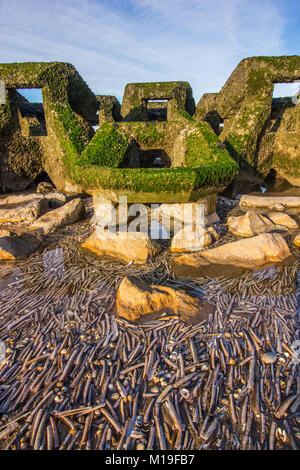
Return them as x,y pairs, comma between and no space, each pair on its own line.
186,221
2,93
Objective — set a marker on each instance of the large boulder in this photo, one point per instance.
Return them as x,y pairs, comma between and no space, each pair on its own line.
18,246
123,246
251,253
27,211
58,218
136,300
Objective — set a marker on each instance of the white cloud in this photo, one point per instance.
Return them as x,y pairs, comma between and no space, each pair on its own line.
113,43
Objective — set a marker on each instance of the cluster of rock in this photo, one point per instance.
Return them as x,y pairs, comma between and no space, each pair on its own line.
30,215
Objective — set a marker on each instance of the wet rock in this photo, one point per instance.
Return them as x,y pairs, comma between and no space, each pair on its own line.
136,299
18,246
249,253
249,225
124,246
188,239
268,357
24,212
45,187
280,218
58,218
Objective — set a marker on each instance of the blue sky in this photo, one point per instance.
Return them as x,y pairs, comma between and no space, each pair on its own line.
114,42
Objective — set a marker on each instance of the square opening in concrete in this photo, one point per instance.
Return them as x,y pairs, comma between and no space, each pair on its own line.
287,90
31,112
157,110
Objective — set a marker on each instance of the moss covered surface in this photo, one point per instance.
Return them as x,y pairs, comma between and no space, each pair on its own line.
202,148
30,166
97,164
245,104
107,148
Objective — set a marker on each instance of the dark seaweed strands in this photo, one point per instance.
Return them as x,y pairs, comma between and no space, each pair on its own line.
77,378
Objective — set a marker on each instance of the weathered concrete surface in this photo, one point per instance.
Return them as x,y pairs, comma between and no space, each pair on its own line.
24,212
15,246
249,253
245,105
58,218
279,142
206,111
124,246
137,300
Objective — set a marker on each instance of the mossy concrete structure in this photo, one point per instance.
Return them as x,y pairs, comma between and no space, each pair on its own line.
110,161
69,111
279,143
245,106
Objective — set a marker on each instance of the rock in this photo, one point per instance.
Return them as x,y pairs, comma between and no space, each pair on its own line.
55,199
212,219
296,240
268,357
213,233
104,212
5,233
58,218
249,253
24,212
188,213
45,187
249,225
136,299
2,352
276,203
19,198
283,219
18,246
124,246
188,239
